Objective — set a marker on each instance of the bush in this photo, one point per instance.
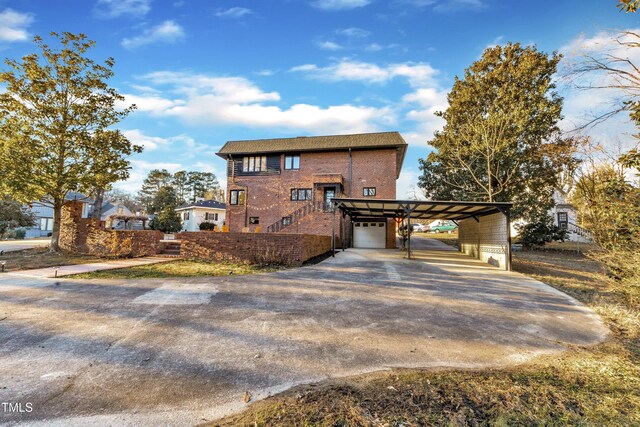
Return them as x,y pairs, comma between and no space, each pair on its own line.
207,226
167,221
21,233
539,232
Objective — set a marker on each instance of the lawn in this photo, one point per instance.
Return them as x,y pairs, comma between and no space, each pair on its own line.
596,386
179,268
41,258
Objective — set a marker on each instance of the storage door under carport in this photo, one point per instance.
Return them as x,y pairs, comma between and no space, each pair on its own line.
369,234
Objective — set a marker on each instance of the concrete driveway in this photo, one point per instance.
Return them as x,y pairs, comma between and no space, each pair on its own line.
179,352
18,245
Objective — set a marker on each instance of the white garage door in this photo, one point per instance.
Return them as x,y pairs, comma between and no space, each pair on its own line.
369,234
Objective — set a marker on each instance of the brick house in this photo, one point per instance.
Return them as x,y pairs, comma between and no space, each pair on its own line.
284,185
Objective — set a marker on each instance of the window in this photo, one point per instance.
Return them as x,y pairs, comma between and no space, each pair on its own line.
286,220
369,191
300,194
254,220
236,197
209,216
185,216
292,162
46,224
254,164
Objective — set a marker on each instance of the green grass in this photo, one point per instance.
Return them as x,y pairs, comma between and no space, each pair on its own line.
589,386
179,268
41,258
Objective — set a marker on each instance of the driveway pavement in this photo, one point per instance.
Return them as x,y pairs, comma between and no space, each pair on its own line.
18,245
179,352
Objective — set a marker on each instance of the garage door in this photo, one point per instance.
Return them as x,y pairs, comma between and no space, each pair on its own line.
369,234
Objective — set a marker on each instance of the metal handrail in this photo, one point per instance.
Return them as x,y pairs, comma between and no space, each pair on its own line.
575,228
295,216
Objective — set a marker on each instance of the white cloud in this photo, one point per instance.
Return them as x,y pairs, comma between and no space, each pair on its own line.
456,5
149,103
339,4
266,72
417,74
13,25
353,32
583,105
166,32
234,12
427,101
116,8
407,184
329,45
443,5
238,101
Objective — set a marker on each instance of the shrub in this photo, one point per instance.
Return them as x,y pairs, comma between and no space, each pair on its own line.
167,221
539,232
21,233
207,226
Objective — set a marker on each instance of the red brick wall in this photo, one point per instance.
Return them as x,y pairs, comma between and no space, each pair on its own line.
268,196
85,235
259,248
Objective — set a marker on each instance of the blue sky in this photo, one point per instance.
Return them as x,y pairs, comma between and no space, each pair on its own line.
204,72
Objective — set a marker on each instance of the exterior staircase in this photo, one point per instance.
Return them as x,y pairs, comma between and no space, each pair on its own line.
582,232
298,214
171,250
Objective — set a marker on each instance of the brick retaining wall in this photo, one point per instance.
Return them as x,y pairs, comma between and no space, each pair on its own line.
258,248
86,235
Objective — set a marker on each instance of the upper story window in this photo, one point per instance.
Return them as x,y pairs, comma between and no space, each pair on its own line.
292,162
210,216
236,197
254,164
300,194
369,191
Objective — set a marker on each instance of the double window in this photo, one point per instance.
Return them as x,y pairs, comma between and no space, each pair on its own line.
369,191
300,194
236,197
254,164
292,162
286,220
210,216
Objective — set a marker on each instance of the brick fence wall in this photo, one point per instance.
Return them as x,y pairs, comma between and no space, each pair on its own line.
259,248
85,235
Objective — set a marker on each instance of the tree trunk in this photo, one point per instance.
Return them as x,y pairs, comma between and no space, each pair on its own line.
97,205
55,234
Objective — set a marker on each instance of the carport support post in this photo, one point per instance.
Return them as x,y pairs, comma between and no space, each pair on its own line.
507,214
333,232
408,212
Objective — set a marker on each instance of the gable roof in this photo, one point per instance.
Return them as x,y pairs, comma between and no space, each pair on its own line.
211,204
318,143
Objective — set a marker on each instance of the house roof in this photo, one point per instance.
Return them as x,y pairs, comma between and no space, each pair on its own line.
318,143
211,204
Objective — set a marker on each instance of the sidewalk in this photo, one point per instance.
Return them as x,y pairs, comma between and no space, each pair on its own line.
66,270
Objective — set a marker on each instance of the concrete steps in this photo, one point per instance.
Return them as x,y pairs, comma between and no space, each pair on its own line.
171,249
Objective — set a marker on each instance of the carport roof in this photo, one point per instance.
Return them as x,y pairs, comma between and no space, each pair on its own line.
419,209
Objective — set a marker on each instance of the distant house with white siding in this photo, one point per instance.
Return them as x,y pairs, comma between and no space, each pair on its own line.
114,208
193,214
43,212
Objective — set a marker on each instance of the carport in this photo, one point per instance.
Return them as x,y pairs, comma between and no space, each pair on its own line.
484,228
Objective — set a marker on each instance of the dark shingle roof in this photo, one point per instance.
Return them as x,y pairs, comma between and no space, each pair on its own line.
313,143
204,204
318,143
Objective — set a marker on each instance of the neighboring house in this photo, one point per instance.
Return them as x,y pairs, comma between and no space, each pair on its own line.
43,212
193,214
115,208
565,215
285,185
